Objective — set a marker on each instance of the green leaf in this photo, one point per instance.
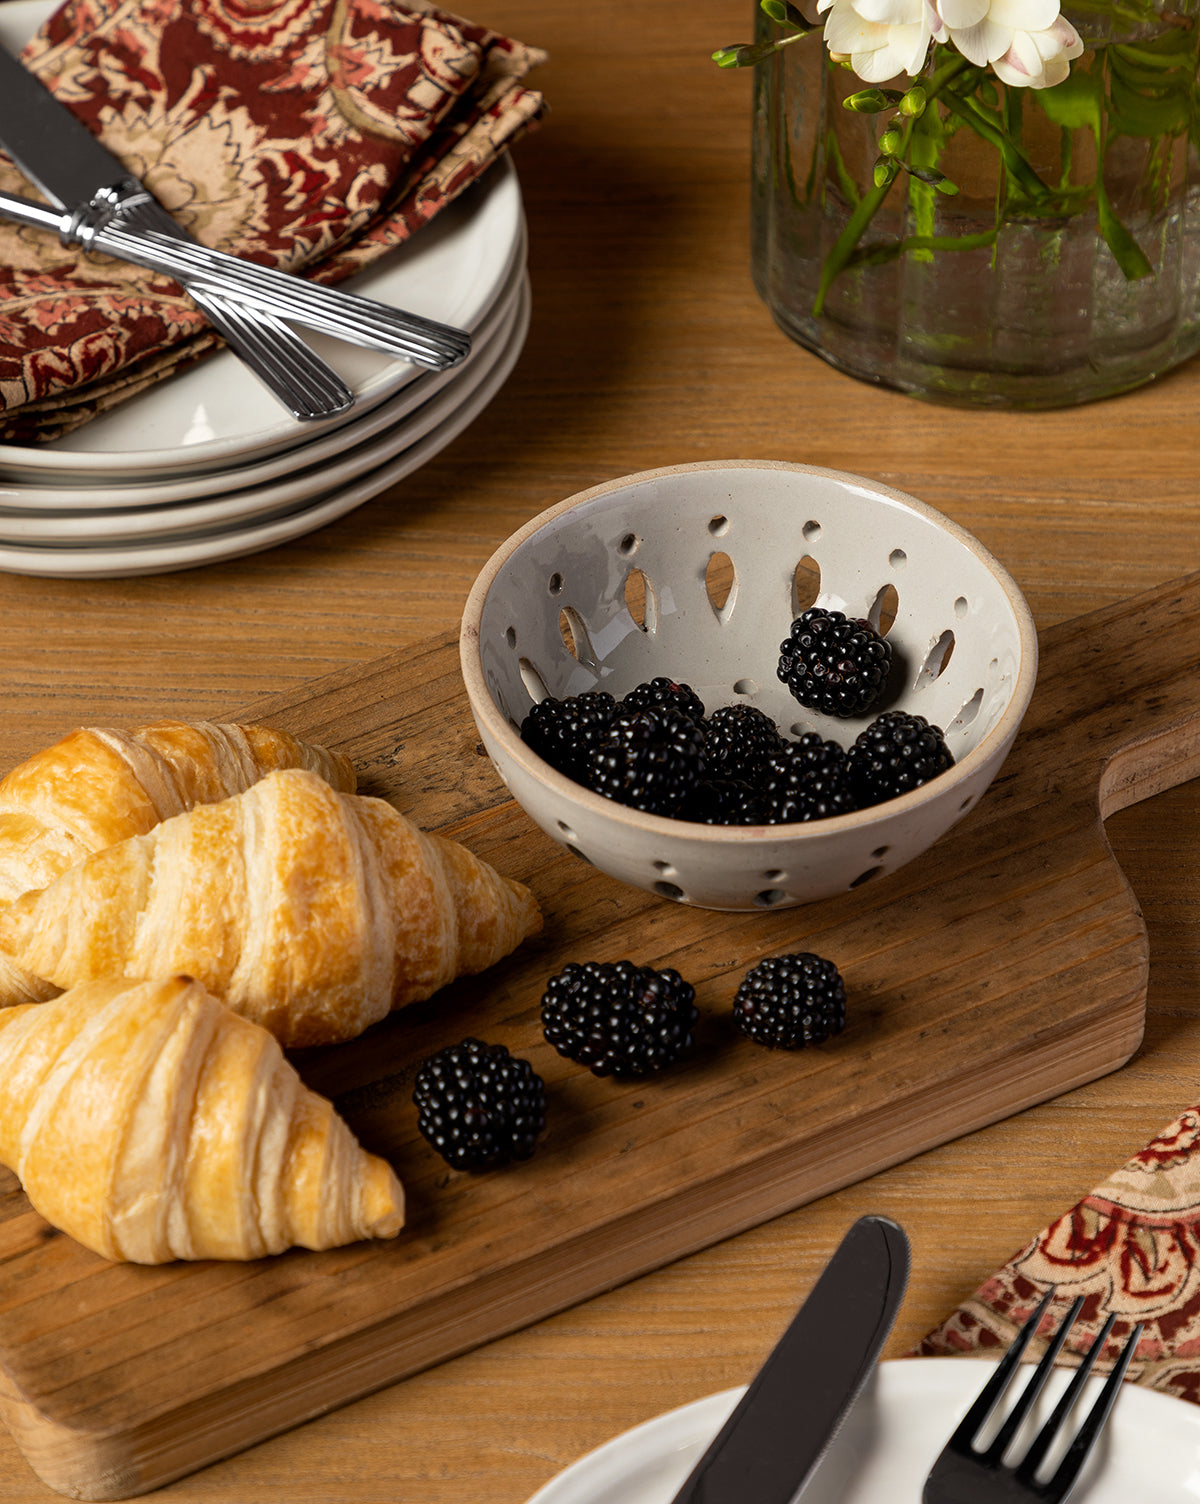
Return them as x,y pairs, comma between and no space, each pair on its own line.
1128,254
1076,103
1136,113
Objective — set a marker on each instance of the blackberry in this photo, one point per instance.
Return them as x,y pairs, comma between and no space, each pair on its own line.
617,1018
668,692
786,1002
806,779
737,741
648,759
897,752
834,663
479,1106
724,801
564,731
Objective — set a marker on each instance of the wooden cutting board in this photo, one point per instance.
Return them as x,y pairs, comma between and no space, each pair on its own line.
1005,966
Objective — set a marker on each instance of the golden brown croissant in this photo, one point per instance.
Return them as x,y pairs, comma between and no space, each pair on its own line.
96,787
151,1123
311,912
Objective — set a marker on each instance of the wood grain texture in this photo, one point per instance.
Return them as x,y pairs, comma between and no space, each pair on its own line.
1005,966
648,347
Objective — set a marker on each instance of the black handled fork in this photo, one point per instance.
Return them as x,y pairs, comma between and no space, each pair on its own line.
964,1475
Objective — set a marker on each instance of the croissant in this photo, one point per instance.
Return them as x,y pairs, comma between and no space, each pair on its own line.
151,1123
96,787
311,912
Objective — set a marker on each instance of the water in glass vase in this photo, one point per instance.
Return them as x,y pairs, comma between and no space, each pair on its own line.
1005,247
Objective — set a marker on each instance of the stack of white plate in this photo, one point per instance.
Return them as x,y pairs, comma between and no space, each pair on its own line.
207,465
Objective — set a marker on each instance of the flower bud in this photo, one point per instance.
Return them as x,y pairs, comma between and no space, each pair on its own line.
892,141
784,13
866,102
886,169
912,103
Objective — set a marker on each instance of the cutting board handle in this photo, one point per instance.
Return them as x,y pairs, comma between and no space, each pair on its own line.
1115,716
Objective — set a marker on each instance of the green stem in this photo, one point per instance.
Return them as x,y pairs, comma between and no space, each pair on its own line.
1015,162
876,255
839,256
868,206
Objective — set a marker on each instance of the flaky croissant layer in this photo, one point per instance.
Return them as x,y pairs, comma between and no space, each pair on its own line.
151,1123
310,912
99,786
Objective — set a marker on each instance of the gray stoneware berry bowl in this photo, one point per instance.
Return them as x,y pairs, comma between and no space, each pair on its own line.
695,573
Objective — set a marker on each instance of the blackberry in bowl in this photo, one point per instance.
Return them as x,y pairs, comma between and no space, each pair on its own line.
689,578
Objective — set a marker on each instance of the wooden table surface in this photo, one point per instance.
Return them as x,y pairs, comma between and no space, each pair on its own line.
648,346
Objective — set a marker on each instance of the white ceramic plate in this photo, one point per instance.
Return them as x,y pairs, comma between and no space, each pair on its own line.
166,555
883,1453
217,413
105,529
18,498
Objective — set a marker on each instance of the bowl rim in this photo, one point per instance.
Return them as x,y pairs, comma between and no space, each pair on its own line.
501,729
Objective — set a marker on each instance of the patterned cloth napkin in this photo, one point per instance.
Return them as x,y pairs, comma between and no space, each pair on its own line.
299,133
1131,1247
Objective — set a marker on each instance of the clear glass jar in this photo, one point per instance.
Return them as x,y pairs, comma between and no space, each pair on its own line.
1009,293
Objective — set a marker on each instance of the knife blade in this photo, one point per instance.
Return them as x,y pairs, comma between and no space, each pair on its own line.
770,1446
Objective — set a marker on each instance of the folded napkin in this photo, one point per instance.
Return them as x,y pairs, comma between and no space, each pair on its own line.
313,134
1132,1247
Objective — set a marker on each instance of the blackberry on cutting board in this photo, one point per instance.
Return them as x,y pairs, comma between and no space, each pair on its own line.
563,732
648,759
617,1018
833,663
807,779
897,752
787,1002
479,1106
738,739
669,692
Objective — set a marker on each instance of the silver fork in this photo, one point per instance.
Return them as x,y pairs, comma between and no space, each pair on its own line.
306,385
964,1475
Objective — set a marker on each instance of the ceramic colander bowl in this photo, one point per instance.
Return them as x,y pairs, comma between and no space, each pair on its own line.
695,572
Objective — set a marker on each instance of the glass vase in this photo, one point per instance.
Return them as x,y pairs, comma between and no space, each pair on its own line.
1066,265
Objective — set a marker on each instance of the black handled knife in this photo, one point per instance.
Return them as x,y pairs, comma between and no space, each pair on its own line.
769,1447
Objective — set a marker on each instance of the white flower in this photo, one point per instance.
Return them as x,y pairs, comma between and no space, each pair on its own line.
882,38
1040,59
1027,42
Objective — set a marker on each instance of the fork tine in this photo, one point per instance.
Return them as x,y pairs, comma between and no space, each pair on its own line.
964,1432
1035,1385
1077,1453
1043,1440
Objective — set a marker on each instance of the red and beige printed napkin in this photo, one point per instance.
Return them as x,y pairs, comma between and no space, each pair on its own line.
1131,1247
314,134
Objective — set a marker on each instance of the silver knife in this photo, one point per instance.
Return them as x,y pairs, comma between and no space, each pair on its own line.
771,1444
108,222
58,153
